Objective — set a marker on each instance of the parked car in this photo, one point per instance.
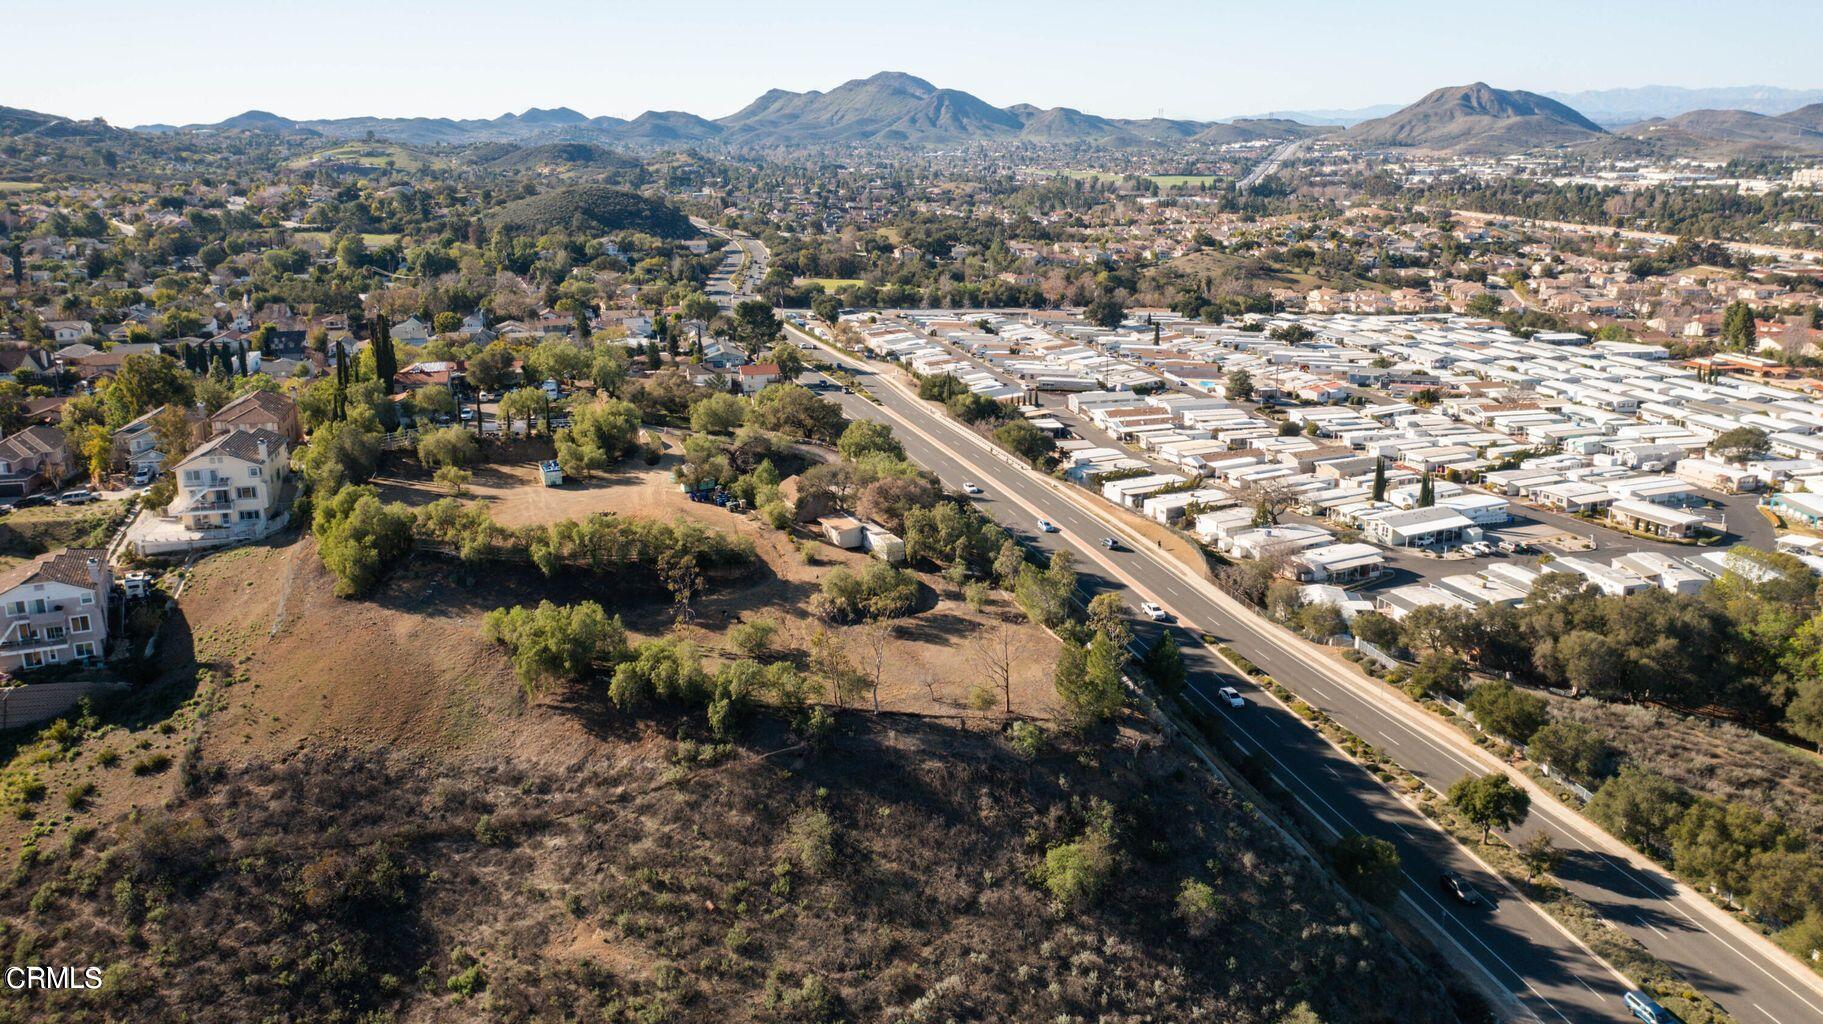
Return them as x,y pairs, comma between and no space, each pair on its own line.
1647,1009
79,496
1153,612
1465,893
33,501
144,476
1046,526
1232,696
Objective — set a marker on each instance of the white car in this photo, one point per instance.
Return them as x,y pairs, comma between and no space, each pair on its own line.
1153,612
969,488
1232,696
1046,526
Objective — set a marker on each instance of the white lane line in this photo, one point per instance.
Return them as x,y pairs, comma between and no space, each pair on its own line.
1769,1016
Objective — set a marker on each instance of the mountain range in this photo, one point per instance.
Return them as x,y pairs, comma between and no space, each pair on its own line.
1610,108
889,108
897,109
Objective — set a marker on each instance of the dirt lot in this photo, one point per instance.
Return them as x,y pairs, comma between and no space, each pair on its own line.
936,656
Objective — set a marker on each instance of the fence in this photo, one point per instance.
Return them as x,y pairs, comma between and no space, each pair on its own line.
1386,660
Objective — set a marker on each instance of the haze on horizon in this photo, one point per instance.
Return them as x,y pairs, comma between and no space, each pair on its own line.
205,60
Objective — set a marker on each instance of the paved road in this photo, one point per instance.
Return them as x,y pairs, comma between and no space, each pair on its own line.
1269,166
1515,945
745,260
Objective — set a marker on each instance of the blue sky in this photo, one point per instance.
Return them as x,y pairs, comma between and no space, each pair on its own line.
202,60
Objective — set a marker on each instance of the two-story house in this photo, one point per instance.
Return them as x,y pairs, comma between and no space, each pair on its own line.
33,459
136,444
259,410
55,609
232,486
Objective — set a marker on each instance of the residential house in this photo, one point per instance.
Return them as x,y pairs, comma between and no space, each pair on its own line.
231,487
55,609
755,376
33,459
259,410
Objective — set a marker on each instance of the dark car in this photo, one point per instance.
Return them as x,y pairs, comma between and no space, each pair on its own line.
1465,893
33,501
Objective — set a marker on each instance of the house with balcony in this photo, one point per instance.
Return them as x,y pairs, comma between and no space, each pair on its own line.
55,610
232,488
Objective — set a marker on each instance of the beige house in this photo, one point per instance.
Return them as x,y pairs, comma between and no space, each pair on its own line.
231,488
55,610
33,459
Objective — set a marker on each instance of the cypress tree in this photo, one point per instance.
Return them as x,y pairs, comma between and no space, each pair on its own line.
1380,479
385,360
1426,493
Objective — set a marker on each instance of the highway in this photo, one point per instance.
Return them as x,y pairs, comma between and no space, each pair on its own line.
1513,945
1270,165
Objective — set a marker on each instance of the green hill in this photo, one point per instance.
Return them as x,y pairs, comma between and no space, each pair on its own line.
594,208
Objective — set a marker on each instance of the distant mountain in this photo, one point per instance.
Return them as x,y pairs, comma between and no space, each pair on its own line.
1733,133
1478,119
594,208
14,121
1808,116
1616,107
890,108
1334,118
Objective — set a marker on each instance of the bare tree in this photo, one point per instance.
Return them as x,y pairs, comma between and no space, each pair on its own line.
1269,499
992,652
876,640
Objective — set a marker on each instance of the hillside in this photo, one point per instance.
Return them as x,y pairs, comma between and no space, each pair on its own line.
373,824
1478,118
1735,133
15,121
562,156
595,208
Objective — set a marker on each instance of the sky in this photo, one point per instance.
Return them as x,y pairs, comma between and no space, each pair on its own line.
186,61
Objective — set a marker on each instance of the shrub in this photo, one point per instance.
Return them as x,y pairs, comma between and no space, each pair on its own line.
1029,739
152,764
753,637
450,446
878,591
555,641
1076,874
810,844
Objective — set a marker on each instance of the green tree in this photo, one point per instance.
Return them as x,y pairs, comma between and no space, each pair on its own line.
450,446
528,404
599,434
1741,444
1106,311
790,360
1573,748
490,368
867,437
1639,807
556,642
1379,493
1506,710
756,326
1240,386
1165,664
1369,867
1096,695
1804,715
385,359
718,413
1026,441
1490,801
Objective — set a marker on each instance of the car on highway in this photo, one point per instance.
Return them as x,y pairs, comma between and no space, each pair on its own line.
1647,1009
1153,612
969,487
1456,886
1232,697
1111,543
1046,526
